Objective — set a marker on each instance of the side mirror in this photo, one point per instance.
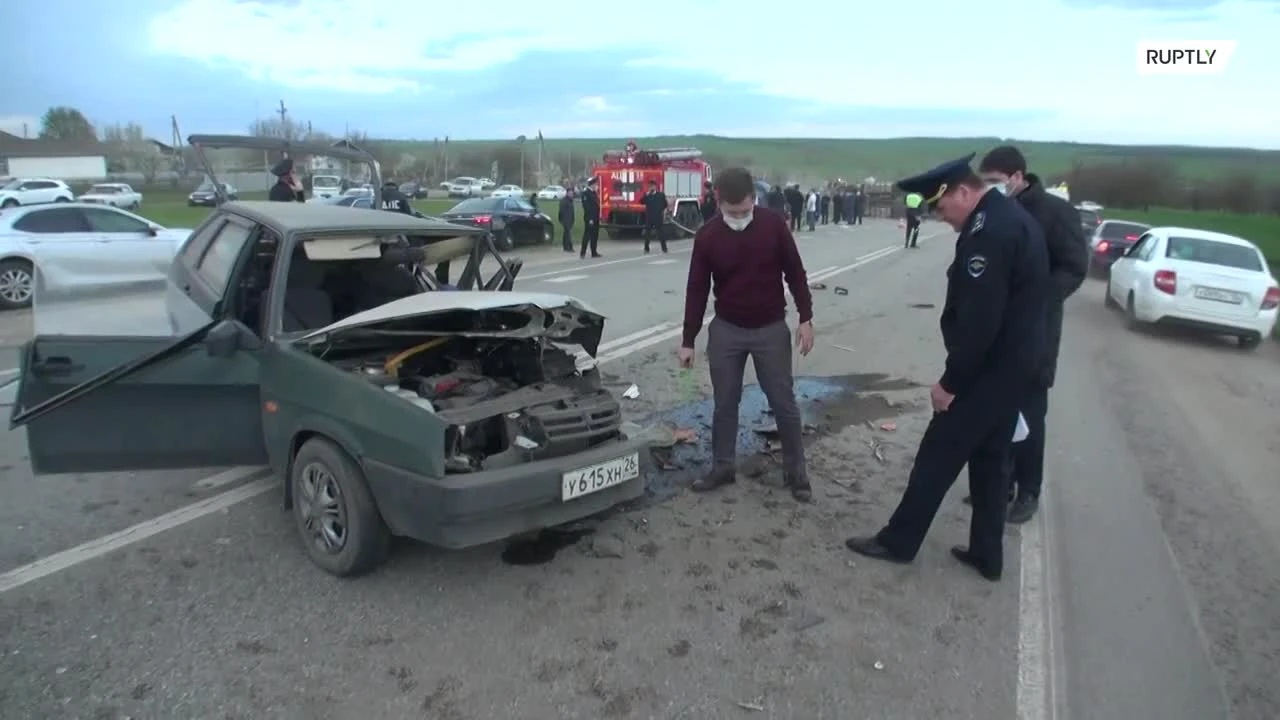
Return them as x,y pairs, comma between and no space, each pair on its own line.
228,336
152,230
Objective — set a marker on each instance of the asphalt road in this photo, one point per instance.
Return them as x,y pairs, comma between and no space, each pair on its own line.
1142,594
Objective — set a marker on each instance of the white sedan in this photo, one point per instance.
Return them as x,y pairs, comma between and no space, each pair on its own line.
552,192
1197,279
508,191
73,245
114,194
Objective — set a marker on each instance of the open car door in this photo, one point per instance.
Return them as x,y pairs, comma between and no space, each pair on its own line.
99,396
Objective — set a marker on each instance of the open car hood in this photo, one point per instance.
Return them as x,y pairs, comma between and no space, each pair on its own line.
550,315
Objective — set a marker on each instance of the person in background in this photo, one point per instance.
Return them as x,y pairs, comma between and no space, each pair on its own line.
795,203
850,205
750,322
993,329
1005,169
288,187
590,219
655,216
566,216
913,218
776,201
708,205
811,208
394,200
837,204
859,205
533,199
824,207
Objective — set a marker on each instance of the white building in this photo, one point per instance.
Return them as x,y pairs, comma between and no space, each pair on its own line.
20,157
355,172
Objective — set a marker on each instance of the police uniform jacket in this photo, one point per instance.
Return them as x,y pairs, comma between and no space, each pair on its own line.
655,207
396,201
1068,262
590,205
993,323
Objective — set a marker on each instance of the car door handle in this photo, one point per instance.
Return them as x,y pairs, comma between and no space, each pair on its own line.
56,365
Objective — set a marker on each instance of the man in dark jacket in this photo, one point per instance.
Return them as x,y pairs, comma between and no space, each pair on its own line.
837,204
288,187
590,219
1006,169
795,203
824,205
567,214
777,201
708,206
859,206
394,200
655,216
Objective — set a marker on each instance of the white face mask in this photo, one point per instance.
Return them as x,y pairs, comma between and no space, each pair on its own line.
739,224
1000,187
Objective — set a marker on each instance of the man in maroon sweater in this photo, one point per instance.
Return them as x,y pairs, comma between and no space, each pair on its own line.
748,251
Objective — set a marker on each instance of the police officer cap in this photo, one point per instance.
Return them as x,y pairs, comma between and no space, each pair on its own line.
591,182
282,168
934,183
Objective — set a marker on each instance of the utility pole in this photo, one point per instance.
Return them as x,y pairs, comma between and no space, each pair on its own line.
284,121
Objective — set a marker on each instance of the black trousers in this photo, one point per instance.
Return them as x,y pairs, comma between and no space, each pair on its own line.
913,232
857,216
566,238
796,214
1026,465
977,431
590,237
650,230
825,213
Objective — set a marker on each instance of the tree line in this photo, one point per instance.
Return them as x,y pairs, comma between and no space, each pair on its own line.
1141,182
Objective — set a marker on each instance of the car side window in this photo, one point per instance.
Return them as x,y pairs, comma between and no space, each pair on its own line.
199,240
219,260
109,221
52,221
1148,248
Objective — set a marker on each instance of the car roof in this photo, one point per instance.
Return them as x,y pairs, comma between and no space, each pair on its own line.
10,216
1173,231
313,217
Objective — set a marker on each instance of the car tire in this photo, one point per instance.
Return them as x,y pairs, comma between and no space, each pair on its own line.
1249,342
1108,301
334,511
62,198
1131,314
17,284
548,234
10,203
505,240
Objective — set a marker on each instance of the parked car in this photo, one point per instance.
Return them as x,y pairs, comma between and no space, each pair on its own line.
1111,240
324,187
453,418
512,221
505,191
205,196
354,201
463,187
79,244
460,180
34,191
1197,279
486,183
552,192
414,190
114,194
1089,220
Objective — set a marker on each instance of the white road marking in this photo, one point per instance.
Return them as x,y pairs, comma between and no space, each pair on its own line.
593,266
668,261
44,567
226,477
93,549
565,278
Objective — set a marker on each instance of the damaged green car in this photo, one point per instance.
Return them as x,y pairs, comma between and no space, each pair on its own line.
316,340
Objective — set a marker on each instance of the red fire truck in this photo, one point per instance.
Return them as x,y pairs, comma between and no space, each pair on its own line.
624,177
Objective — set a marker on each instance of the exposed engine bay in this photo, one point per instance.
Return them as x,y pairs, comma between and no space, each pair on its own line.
507,401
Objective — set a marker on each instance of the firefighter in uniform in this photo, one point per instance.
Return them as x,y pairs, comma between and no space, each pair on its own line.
590,219
913,219
287,188
993,327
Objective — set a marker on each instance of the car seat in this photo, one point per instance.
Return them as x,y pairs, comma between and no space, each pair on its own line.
306,305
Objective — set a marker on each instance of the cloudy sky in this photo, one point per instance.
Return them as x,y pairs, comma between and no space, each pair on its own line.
1026,69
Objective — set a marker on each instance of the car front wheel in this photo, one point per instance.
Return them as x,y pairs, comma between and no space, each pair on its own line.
10,203
17,284
505,240
336,516
1107,300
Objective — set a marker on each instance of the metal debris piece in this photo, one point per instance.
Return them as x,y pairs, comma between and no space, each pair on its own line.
631,393
876,450
685,435
526,443
817,286
756,705
841,291
843,347
808,622
888,427
878,665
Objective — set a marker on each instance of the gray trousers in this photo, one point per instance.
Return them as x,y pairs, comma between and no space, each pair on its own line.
769,347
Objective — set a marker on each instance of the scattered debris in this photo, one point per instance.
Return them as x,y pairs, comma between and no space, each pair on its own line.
687,436
841,291
888,427
631,393
606,546
877,450
807,622
756,705
524,442
878,665
923,306
817,286
843,347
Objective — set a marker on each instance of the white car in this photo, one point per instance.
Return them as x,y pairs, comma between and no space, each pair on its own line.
463,187
508,191
114,194
486,183
79,245
1197,279
34,191
325,187
552,192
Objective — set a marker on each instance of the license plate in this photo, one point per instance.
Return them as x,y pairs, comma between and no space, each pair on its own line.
594,478
1225,296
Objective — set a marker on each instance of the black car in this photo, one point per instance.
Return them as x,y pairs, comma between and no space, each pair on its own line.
513,221
414,191
1089,221
204,196
1110,240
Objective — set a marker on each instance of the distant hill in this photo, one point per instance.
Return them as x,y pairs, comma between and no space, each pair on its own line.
811,160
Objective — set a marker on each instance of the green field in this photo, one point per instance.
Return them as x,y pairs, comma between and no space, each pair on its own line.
815,160
1262,230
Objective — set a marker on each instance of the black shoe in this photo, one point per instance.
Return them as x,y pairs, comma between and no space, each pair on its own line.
714,480
1023,509
596,255
799,487
871,547
969,500
963,555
